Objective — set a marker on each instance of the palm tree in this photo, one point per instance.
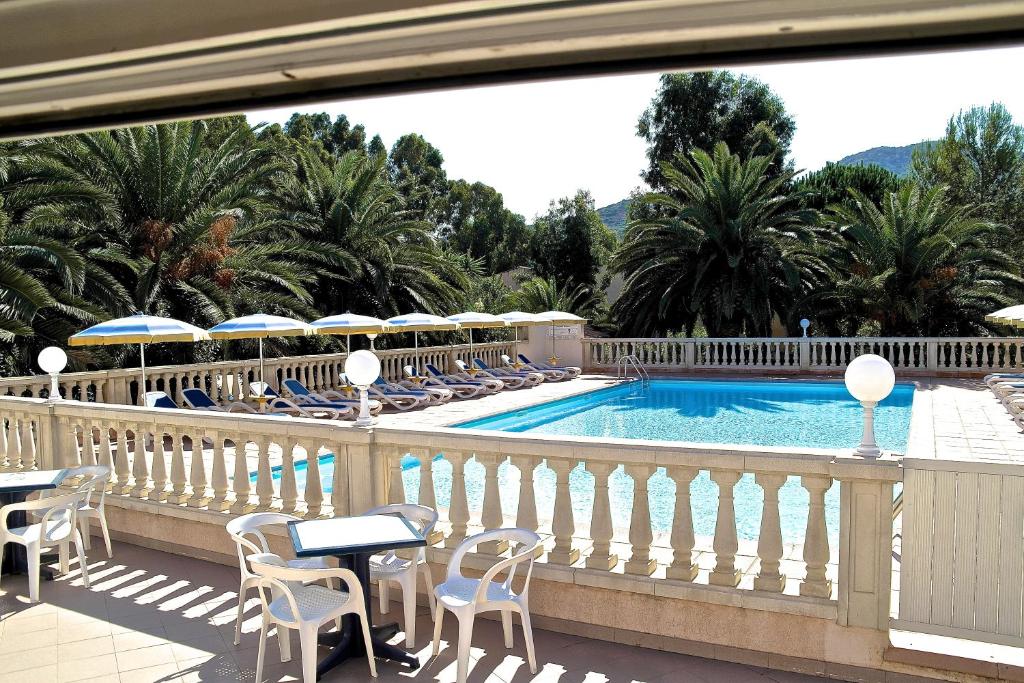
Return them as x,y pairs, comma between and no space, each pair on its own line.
176,217
544,294
728,246
371,255
915,265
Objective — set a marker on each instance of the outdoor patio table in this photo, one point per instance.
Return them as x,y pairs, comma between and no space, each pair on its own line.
14,488
353,540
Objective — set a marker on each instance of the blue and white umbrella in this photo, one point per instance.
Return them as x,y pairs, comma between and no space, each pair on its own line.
139,329
420,322
349,324
519,319
259,326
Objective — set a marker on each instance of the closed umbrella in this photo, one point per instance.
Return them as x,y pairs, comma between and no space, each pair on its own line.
349,324
419,322
471,320
260,326
139,329
559,318
519,319
1013,316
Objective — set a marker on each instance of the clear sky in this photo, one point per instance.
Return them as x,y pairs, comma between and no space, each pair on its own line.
540,141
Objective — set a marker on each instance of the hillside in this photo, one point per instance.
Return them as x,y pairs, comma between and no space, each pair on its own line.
895,159
614,216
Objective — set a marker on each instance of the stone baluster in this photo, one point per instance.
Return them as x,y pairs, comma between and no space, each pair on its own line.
340,496
219,474
13,443
426,491
140,468
122,469
240,482
314,492
178,474
4,443
725,543
264,476
458,511
28,443
101,390
107,451
526,511
159,469
289,490
396,483
769,541
197,472
490,514
72,456
683,567
640,534
601,529
563,525
90,444
816,550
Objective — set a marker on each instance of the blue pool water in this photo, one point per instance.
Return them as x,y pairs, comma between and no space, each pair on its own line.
809,414
759,413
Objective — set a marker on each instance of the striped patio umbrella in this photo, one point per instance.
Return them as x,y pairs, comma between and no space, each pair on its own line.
471,320
260,326
420,322
349,324
559,318
519,319
139,329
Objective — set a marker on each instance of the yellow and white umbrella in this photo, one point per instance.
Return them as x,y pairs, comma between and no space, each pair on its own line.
559,318
260,326
349,324
471,320
139,329
519,319
419,322
1012,315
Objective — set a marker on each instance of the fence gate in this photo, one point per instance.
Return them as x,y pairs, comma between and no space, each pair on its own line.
962,563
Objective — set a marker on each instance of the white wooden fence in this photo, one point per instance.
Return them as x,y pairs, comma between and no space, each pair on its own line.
962,556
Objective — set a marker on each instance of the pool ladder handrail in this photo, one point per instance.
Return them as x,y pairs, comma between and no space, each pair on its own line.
622,369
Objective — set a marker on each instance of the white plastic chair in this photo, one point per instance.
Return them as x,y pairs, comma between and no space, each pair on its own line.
290,604
246,532
94,484
466,597
390,567
57,527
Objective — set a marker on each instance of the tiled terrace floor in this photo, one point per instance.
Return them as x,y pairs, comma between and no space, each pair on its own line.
151,617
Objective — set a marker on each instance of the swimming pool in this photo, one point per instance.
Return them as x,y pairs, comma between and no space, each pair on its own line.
759,413
784,413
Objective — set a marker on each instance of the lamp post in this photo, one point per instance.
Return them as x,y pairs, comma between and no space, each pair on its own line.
362,369
869,379
52,360
805,323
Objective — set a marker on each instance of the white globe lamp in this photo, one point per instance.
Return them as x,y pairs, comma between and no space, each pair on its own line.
362,369
52,360
869,379
371,337
805,323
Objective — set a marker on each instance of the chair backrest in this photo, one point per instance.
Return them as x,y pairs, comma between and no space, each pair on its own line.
506,359
296,387
481,364
524,359
158,399
409,371
278,578
246,532
61,509
263,389
462,365
433,369
421,516
94,478
527,543
197,398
